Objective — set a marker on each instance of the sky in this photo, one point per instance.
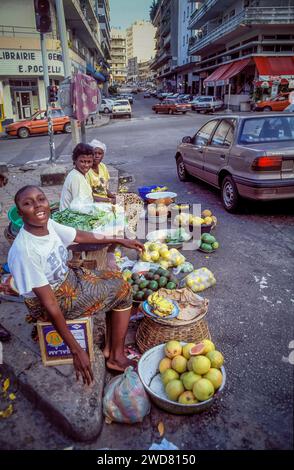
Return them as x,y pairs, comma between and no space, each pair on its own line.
125,12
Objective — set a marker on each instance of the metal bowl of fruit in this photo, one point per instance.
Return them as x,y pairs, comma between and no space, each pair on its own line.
164,197
152,379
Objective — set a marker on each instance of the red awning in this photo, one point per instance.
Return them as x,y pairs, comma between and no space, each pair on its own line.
235,68
216,75
275,66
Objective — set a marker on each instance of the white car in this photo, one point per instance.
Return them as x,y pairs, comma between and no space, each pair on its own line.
122,108
106,106
206,104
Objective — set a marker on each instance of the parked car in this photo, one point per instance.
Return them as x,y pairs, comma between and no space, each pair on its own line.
162,96
279,103
122,108
106,106
126,96
245,155
206,104
38,124
171,107
147,94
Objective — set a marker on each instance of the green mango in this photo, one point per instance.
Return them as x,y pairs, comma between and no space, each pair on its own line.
143,284
171,285
206,247
139,295
162,281
153,285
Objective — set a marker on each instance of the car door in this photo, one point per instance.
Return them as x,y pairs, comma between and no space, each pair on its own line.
218,150
193,153
39,124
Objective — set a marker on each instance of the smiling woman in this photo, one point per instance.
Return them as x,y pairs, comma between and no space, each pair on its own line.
38,263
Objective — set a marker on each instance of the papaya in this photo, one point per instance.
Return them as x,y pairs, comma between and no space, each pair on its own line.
197,350
206,247
153,285
207,238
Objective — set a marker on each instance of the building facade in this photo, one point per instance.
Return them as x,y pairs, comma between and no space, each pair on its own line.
164,16
140,44
145,75
118,56
246,48
21,69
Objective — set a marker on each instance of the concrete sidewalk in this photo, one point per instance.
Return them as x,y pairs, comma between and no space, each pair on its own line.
74,408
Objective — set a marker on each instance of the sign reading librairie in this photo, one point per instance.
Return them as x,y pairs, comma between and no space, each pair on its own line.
29,62
54,350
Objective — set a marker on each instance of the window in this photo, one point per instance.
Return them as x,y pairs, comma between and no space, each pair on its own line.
202,137
183,40
184,16
224,133
187,39
267,130
188,11
57,113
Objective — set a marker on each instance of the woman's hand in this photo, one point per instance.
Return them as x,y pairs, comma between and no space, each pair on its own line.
82,366
132,244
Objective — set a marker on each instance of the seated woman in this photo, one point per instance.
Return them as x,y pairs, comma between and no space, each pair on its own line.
76,184
98,178
38,262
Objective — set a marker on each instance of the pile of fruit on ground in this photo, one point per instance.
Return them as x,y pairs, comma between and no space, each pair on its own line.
208,243
184,219
160,253
145,284
191,373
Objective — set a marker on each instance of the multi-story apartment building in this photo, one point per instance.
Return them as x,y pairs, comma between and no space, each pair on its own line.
246,47
140,43
21,70
164,16
145,74
187,79
103,13
118,56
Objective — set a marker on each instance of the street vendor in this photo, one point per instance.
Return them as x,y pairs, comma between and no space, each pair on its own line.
76,184
53,291
98,178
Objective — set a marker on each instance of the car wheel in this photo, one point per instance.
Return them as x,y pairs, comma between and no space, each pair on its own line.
184,112
23,133
230,195
181,169
267,108
67,128
170,111
197,111
156,112
130,116
106,111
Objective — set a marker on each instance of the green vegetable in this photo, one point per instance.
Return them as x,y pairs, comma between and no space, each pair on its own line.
82,221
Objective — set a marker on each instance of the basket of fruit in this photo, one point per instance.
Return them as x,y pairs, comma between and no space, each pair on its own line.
183,378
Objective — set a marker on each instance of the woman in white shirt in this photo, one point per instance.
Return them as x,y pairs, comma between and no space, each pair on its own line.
76,184
38,263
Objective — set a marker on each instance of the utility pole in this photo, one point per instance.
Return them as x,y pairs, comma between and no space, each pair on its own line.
48,109
66,62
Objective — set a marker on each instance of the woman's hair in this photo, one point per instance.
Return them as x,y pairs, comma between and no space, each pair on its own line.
22,190
81,149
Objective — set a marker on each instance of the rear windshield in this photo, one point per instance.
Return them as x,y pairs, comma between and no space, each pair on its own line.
267,129
122,103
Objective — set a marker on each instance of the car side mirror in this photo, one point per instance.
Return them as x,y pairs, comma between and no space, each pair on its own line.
187,140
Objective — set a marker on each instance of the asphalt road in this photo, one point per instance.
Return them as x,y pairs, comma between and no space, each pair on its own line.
250,311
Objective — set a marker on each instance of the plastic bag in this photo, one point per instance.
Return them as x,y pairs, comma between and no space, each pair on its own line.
125,399
199,280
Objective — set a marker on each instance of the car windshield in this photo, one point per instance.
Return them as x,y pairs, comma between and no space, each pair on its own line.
121,103
267,129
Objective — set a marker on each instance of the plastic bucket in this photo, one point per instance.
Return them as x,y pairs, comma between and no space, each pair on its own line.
145,190
15,219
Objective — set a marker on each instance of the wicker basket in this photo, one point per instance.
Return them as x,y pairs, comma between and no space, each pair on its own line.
150,333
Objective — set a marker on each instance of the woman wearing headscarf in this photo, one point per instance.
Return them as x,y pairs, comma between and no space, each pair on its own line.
98,178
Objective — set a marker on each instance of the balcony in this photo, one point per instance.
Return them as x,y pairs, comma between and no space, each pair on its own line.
165,27
209,10
160,59
251,16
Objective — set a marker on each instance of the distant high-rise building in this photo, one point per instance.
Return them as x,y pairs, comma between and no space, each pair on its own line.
140,44
118,55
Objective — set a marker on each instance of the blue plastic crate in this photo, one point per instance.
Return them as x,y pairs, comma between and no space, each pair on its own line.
144,190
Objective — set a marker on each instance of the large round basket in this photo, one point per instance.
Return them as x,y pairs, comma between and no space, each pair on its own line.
150,332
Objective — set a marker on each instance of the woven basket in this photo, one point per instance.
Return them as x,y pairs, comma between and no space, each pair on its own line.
150,333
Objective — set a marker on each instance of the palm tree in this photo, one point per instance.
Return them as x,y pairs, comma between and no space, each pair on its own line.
153,8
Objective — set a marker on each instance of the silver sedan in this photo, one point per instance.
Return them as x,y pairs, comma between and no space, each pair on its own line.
246,155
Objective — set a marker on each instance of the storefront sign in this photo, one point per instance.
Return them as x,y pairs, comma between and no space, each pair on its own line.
27,62
54,351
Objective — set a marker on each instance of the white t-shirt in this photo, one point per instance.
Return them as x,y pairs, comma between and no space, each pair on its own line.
38,261
75,185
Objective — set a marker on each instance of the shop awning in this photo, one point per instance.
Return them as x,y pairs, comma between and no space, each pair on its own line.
275,66
234,69
216,75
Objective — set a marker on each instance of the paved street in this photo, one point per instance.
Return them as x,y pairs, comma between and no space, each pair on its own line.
250,311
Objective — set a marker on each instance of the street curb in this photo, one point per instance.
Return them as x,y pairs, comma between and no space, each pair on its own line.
74,408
